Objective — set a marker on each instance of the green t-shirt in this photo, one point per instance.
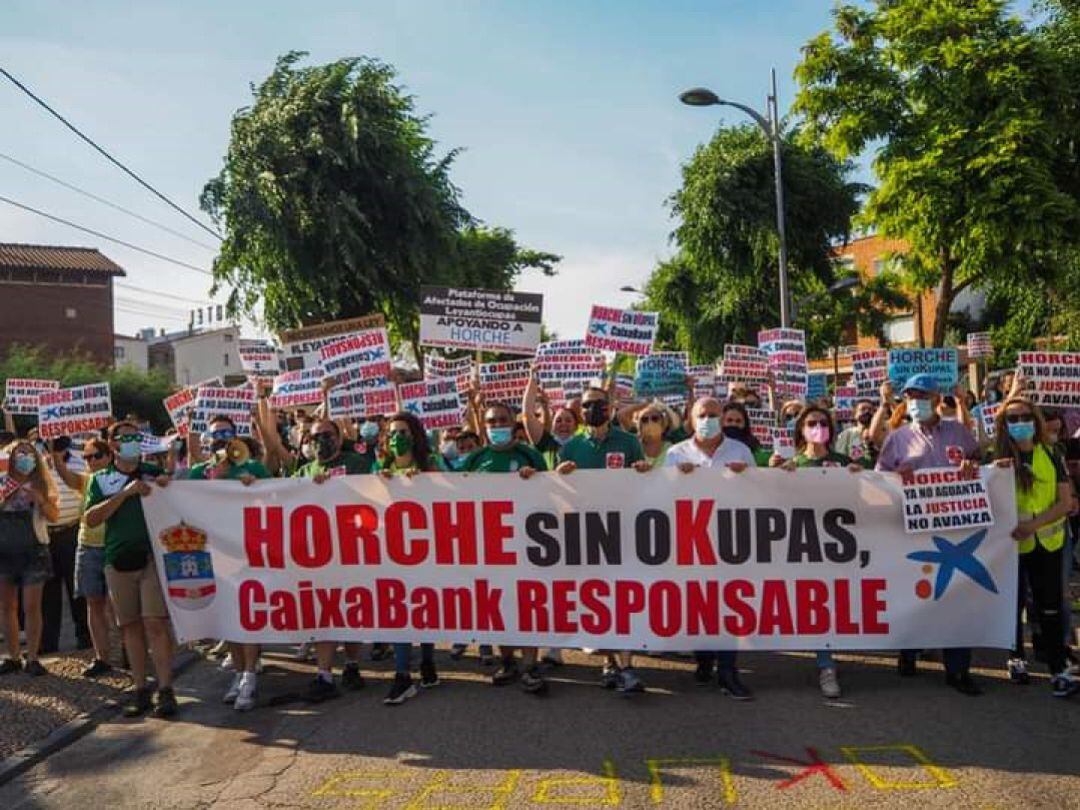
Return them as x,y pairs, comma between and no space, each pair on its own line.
435,464
762,456
127,542
617,449
676,435
256,469
549,449
830,459
501,460
352,464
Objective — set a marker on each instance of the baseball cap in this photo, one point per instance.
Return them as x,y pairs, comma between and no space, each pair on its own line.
922,382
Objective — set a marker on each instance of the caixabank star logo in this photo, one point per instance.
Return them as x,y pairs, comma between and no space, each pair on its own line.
189,568
952,558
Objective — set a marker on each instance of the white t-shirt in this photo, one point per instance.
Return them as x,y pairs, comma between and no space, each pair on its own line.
730,450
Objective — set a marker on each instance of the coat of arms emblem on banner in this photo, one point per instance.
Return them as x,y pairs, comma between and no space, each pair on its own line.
189,568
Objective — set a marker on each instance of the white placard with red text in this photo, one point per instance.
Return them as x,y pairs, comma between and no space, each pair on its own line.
70,411
214,400
945,499
22,396
434,402
624,331
294,389
359,356
178,406
1053,378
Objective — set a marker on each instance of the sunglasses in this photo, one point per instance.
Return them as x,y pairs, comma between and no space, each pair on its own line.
401,432
654,417
1015,418
816,423
316,436
98,456
222,435
498,421
129,437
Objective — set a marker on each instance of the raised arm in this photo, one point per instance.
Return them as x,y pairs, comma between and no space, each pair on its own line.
534,426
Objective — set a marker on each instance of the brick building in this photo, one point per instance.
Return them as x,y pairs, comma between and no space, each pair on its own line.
60,298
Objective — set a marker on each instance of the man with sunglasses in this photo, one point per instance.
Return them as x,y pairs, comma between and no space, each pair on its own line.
114,498
929,441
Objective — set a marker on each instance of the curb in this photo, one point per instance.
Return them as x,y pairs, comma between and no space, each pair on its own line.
22,761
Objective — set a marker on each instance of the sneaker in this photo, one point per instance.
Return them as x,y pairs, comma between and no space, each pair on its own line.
458,650
1018,671
140,702
304,652
234,688
227,663
380,651
402,689
319,690
532,682
486,661
97,669
964,684
1065,685
730,685
428,676
245,699
506,673
34,668
553,657
351,678
609,677
704,673
827,680
628,683
906,667
219,649
166,702
9,665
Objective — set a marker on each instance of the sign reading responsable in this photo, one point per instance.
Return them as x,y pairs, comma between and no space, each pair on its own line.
483,320
303,346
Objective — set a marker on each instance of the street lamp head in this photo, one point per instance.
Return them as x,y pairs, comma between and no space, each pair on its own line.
845,283
699,97
629,289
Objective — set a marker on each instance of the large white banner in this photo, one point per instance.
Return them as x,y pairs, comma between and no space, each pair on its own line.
762,560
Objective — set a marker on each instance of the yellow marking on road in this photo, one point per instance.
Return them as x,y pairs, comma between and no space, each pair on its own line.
942,778
440,784
335,787
656,787
609,782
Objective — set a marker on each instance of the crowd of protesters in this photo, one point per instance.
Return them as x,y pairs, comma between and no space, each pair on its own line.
71,516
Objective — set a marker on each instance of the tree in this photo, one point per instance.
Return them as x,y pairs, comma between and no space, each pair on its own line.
721,286
962,99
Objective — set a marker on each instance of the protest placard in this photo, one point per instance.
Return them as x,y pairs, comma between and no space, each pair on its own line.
505,382
660,374
624,387
941,364
482,320
235,403
704,380
359,356
178,406
869,369
979,345
623,331
844,403
375,396
70,411
434,402
302,348
786,350
945,498
558,347
259,358
295,389
744,364
987,413
817,386
1053,378
8,486
762,421
783,443
152,445
21,395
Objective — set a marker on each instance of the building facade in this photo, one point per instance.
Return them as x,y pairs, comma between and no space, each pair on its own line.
192,357
131,352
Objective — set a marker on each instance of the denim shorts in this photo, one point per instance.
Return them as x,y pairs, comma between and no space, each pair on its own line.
23,560
90,572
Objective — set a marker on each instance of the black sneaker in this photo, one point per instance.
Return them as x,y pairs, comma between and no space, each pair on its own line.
140,703
35,668
532,682
428,676
97,669
351,678
402,689
166,702
730,685
704,673
906,667
964,684
319,690
380,651
9,665
507,673
609,677
457,651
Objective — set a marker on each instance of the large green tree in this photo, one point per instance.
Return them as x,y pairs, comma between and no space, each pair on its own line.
960,100
721,285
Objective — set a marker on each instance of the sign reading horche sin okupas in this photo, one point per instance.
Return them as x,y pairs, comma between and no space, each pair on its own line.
786,350
744,364
359,356
21,395
623,331
660,374
817,386
979,345
294,389
302,347
941,499
375,396
434,402
178,406
484,320
505,382
69,411
1053,378
941,364
844,403
869,369
235,403
259,358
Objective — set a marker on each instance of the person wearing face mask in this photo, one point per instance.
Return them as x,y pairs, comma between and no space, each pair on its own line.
854,442
1043,501
28,499
735,422
929,441
370,432
709,447
564,424
653,422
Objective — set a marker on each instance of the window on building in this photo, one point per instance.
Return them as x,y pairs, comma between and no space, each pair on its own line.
227,337
225,362
200,315
118,352
901,330
218,311
70,313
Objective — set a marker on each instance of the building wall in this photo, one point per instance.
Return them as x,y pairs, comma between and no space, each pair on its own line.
131,352
211,354
64,318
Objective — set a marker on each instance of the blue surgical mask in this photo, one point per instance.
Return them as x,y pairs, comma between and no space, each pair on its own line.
1021,431
456,463
369,431
130,451
25,464
921,410
708,428
501,435
560,440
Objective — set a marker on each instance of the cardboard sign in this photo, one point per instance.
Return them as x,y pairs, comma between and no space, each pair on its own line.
483,320
505,382
21,395
555,347
8,487
844,403
987,415
869,369
622,330
661,374
783,444
235,403
704,377
1053,378
365,398
786,350
295,389
68,411
302,347
178,406
941,499
979,345
152,445
744,364
624,387
359,356
817,386
939,363
434,402
259,358
556,369
762,422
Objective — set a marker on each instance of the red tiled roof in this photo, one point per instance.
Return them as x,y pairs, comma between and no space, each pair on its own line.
52,257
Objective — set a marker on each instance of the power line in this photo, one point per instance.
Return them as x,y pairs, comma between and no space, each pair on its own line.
104,236
150,305
186,300
105,154
103,201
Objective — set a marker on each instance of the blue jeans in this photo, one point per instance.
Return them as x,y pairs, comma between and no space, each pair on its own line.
403,656
825,659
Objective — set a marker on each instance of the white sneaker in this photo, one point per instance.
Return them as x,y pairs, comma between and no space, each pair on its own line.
227,663
827,680
258,665
245,701
234,688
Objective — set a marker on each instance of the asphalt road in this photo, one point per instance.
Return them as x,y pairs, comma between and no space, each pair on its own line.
887,743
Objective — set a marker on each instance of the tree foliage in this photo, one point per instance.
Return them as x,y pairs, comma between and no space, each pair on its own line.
721,286
961,102
827,316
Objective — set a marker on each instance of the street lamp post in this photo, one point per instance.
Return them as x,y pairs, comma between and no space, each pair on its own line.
770,125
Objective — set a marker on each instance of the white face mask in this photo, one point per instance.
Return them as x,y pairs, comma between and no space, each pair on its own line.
308,451
449,448
707,428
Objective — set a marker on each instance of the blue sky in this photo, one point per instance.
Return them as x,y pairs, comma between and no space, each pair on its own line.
567,112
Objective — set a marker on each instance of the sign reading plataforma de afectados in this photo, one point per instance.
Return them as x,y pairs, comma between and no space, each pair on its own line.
481,320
